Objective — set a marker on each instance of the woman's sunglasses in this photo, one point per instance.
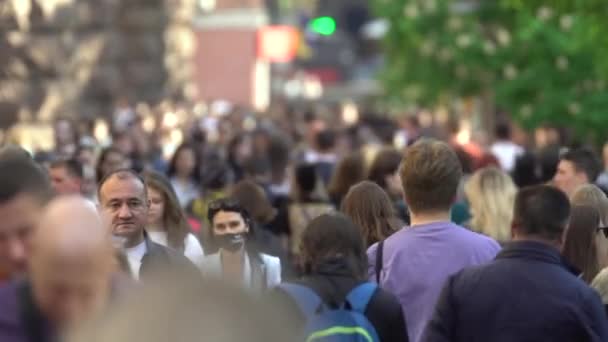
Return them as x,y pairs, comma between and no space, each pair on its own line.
603,230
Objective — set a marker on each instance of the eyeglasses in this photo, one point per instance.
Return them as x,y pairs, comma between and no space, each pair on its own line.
603,230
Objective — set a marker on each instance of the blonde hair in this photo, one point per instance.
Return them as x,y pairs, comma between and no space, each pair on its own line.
600,284
594,197
491,194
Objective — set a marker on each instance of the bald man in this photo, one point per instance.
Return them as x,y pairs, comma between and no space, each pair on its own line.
71,267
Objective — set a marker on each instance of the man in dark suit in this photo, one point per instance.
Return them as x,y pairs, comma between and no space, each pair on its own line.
124,205
528,293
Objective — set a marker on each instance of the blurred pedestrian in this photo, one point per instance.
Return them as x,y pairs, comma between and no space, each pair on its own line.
526,171
167,223
491,194
527,293
602,180
349,171
174,307
600,284
238,261
307,203
430,179
384,171
579,247
334,264
183,172
215,182
371,209
591,195
70,275
576,168
125,206
239,151
24,190
504,148
66,176
65,137
110,159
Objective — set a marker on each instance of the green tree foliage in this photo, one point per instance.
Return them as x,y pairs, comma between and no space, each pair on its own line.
542,63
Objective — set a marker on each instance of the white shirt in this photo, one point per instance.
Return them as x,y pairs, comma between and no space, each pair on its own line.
192,247
506,152
212,266
134,256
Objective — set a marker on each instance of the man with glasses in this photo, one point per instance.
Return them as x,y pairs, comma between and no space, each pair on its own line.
124,205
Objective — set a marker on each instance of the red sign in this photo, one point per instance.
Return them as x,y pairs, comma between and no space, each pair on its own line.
278,44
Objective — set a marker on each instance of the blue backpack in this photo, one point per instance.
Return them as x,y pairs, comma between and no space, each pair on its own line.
344,324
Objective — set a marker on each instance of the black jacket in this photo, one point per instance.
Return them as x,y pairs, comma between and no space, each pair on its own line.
332,285
159,258
527,293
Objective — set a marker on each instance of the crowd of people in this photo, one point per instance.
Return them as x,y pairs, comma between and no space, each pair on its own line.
332,229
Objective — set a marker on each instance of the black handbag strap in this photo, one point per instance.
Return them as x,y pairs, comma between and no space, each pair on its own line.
379,260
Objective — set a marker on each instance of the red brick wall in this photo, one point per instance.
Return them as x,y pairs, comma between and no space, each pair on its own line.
224,64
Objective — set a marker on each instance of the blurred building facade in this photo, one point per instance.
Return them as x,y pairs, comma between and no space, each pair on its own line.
78,58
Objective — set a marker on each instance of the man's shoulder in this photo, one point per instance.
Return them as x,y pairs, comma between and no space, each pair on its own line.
475,239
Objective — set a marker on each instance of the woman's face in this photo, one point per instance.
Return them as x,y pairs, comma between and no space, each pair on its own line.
229,222
157,207
185,162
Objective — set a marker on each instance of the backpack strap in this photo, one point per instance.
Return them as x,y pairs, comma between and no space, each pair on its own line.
359,297
307,300
379,260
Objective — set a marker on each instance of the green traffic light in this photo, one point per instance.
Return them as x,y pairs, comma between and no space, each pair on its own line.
325,26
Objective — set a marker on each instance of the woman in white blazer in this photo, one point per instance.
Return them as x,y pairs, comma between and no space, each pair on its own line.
237,261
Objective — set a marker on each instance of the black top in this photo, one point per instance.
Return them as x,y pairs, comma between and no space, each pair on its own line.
159,258
383,310
528,293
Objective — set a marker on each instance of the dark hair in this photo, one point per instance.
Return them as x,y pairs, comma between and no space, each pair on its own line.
278,151
548,159
121,174
579,243
21,175
172,170
229,205
526,170
306,179
370,207
430,176
326,140
349,171
385,163
331,237
174,219
102,159
216,175
541,211
72,166
503,131
584,160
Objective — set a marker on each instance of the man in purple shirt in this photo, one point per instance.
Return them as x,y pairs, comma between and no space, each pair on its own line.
416,261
